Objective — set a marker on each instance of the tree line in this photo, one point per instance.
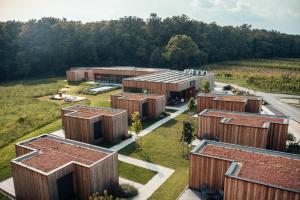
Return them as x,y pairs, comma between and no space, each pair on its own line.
49,46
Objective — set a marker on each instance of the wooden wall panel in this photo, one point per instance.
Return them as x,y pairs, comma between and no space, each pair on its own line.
236,189
244,135
104,175
29,184
278,136
229,105
20,150
52,180
204,102
78,129
253,105
209,127
207,171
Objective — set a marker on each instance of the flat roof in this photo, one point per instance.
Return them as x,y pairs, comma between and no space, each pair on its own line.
122,68
229,97
171,76
137,96
90,111
258,165
248,122
50,152
242,118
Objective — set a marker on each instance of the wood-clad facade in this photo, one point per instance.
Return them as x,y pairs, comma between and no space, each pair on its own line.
34,183
108,74
237,103
149,106
175,85
210,170
254,130
94,124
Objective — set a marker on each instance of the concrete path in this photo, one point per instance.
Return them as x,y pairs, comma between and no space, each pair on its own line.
145,191
150,128
189,194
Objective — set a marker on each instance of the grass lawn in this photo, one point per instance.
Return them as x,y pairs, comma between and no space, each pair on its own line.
135,173
163,147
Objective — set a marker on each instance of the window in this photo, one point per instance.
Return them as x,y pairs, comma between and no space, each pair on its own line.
192,83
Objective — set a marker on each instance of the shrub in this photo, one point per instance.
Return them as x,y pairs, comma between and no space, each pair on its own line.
227,87
127,191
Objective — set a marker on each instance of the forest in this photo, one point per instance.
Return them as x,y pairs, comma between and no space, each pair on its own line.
49,46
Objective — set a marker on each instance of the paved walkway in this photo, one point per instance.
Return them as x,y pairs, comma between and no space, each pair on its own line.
189,194
145,191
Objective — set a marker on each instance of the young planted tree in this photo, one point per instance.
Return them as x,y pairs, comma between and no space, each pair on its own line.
191,105
187,136
206,87
136,126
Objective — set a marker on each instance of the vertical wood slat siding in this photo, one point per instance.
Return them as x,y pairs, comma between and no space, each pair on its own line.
33,185
244,135
20,151
108,174
274,138
207,172
208,102
80,129
278,136
253,105
209,127
155,106
229,105
157,87
236,189
29,184
204,102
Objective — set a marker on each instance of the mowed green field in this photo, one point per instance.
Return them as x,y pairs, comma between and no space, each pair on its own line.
269,75
163,147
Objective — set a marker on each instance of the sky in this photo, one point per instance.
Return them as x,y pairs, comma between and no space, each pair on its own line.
280,15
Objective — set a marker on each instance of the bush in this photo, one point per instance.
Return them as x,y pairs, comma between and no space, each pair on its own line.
227,87
127,191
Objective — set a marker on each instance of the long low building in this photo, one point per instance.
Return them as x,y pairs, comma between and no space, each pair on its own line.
244,172
229,102
108,74
249,129
92,125
175,85
149,106
48,167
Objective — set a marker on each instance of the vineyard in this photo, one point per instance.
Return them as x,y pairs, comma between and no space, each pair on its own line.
276,75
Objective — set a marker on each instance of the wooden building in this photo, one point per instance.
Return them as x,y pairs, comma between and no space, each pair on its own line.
249,129
175,85
108,74
49,167
94,124
244,172
229,102
149,106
